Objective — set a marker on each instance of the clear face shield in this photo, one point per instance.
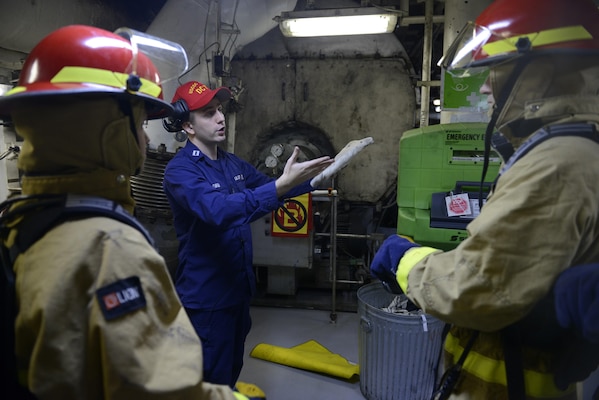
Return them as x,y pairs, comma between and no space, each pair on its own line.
169,58
477,48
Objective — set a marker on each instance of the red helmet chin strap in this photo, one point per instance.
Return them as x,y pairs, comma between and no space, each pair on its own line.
500,102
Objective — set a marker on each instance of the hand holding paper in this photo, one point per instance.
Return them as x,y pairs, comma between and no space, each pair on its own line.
341,160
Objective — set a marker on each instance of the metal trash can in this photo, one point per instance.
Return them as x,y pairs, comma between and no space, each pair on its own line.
399,354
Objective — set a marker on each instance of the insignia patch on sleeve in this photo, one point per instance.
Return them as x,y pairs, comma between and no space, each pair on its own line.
121,297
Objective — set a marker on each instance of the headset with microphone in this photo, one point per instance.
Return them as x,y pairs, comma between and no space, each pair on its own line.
174,123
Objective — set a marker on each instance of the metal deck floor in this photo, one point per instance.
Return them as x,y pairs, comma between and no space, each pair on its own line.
288,327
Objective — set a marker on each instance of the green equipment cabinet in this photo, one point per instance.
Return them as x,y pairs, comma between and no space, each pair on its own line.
435,162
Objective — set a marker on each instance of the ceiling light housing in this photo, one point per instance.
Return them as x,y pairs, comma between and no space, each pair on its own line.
336,22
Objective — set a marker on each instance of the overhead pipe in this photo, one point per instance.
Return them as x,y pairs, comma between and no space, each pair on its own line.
24,23
197,26
200,26
425,90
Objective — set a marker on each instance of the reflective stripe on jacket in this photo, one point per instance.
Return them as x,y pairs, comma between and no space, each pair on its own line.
484,369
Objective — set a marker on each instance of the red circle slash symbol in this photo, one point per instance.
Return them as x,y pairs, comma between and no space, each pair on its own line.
292,216
458,205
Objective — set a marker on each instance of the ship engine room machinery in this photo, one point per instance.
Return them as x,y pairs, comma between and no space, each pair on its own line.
301,112
316,93
305,102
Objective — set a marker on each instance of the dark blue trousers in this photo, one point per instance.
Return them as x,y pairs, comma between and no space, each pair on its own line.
223,334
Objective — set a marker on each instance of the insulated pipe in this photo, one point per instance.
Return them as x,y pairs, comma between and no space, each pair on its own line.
24,23
198,26
194,25
425,91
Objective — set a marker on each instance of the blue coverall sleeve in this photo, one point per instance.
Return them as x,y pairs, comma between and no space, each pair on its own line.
224,200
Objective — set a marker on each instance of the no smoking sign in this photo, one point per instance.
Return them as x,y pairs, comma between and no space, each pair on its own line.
293,219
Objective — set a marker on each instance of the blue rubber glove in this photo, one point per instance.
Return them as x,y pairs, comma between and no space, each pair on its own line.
385,262
577,300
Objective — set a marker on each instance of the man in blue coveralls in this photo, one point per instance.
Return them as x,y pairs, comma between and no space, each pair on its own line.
215,196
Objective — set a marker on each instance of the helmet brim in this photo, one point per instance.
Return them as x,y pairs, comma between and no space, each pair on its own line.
42,91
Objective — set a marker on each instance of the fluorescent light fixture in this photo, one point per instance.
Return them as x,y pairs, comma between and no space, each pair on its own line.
336,22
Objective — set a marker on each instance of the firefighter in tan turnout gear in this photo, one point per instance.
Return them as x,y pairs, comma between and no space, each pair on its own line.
97,315
541,218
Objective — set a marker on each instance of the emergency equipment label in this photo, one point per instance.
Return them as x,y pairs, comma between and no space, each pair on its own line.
121,297
452,136
293,218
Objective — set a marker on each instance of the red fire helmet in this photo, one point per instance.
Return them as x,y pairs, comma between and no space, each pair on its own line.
507,28
79,59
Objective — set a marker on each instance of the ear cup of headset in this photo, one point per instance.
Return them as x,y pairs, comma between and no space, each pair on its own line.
181,109
174,122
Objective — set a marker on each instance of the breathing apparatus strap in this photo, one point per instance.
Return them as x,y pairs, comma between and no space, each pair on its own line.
450,377
523,45
581,129
43,215
35,217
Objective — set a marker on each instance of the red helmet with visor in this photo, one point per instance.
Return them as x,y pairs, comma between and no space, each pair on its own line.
508,28
79,59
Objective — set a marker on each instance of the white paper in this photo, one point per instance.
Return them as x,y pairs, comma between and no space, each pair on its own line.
342,159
